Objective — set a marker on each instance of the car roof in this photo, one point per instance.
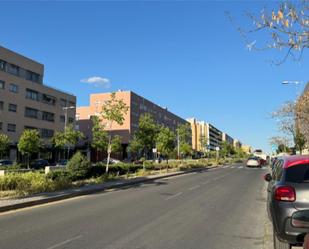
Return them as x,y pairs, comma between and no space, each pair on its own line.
290,161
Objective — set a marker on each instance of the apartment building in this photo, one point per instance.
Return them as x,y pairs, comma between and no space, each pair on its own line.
227,138
203,134
137,104
26,103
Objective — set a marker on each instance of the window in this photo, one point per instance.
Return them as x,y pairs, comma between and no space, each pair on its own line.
11,127
31,113
297,174
2,65
1,105
63,102
32,76
71,103
31,94
48,116
2,84
62,118
48,99
13,88
13,69
30,128
1,126
71,120
12,108
46,133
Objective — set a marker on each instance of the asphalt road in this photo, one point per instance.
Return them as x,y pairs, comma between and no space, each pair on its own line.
215,209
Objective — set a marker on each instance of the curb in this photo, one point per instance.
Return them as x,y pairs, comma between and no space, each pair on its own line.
94,190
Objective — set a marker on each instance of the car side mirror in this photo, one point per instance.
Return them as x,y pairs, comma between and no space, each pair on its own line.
300,219
267,177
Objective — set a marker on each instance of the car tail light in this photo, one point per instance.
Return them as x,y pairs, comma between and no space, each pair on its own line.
285,193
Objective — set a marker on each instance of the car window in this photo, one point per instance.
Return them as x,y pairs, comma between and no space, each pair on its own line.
298,174
277,170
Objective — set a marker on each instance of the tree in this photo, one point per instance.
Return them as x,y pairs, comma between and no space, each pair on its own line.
29,143
135,147
69,137
146,133
4,144
116,144
113,111
204,142
299,140
184,134
287,26
99,136
302,114
166,141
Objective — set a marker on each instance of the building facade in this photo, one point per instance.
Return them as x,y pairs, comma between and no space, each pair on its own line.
138,106
26,103
227,138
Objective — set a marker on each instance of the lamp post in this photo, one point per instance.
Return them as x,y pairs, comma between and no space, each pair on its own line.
293,82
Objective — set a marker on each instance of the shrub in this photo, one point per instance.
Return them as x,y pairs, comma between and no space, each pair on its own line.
31,183
78,167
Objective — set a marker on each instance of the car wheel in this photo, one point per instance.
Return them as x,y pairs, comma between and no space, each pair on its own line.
279,244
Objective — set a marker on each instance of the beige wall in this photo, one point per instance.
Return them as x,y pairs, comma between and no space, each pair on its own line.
18,118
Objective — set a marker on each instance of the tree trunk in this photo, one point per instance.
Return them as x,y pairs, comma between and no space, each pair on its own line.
109,150
97,155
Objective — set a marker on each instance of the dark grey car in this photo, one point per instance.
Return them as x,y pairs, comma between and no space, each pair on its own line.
288,192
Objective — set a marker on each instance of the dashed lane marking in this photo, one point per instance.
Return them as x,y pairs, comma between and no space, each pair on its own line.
173,196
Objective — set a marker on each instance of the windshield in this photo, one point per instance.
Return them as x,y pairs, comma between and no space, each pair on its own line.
298,173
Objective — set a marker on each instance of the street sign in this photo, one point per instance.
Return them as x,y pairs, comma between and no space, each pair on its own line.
154,150
217,148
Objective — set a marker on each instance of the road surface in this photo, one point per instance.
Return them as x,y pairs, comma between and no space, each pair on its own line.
215,209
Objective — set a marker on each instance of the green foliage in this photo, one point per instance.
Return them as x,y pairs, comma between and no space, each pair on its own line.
78,166
29,143
299,140
184,133
135,146
31,183
166,141
99,135
146,134
227,149
4,144
116,144
67,137
114,110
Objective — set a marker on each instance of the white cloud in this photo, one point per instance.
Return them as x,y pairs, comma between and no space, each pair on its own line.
97,81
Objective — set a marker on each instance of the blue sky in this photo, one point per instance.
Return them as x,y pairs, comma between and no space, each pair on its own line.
183,55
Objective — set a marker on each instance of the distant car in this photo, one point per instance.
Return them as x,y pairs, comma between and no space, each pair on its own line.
62,162
254,162
5,162
111,161
39,164
288,193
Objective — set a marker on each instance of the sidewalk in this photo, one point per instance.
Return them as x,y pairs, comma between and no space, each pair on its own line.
41,198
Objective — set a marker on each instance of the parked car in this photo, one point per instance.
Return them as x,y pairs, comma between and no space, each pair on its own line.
253,162
62,162
39,164
111,161
5,162
288,192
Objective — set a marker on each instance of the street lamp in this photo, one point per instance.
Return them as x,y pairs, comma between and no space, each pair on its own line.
66,115
293,82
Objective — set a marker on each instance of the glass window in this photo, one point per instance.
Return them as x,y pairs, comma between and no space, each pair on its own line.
13,88
63,102
48,116
48,99
2,65
298,173
31,113
71,103
71,120
12,108
31,94
62,118
30,128
46,133
1,105
32,76
13,69
2,84
11,127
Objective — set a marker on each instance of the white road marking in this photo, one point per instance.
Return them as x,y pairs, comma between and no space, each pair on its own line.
225,167
232,167
171,197
194,187
241,167
64,242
